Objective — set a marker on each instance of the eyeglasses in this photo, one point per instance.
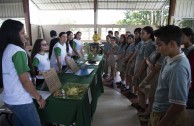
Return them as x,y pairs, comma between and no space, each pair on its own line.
44,44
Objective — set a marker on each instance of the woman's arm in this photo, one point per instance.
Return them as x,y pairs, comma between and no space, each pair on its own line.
29,87
151,74
59,63
132,57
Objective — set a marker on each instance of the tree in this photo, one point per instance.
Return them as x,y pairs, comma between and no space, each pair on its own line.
186,23
145,17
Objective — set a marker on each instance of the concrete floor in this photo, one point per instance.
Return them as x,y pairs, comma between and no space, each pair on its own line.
114,109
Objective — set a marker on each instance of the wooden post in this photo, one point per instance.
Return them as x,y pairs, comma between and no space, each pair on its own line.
27,19
171,11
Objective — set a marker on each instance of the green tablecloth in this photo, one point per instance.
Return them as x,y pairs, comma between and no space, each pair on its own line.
67,111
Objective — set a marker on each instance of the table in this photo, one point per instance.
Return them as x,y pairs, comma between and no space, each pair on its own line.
67,111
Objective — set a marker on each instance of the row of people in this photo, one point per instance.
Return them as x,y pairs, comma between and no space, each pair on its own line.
146,65
64,49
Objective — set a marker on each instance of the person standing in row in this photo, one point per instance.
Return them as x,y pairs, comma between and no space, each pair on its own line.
59,54
53,41
78,45
188,42
169,107
147,35
40,59
18,88
120,57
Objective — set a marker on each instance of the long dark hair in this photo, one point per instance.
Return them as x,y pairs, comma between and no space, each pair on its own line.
150,31
75,37
37,48
124,42
129,36
69,42
9,34
138,30
67,47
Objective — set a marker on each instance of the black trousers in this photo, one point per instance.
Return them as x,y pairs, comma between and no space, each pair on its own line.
39,82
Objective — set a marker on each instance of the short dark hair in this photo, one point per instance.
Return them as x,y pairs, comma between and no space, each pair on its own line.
62,34
117,32
188,32
110,32
137,30
114,38
169,33
131,36
53,33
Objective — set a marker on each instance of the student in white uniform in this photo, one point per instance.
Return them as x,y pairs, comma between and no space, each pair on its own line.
78,45
71,45
40,59
18,88
59,53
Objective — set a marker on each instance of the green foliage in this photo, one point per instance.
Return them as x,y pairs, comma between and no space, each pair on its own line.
187,23
90,57
144,18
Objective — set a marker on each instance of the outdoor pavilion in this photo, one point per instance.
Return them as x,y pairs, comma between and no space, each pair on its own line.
20,8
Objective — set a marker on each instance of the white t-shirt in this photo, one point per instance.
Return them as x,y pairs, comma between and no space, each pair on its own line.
14,62
78,44
43,64
63,54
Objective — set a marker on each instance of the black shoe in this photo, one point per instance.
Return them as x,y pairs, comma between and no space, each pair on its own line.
123,89
118,83
131,95
104,76
136,105
121,86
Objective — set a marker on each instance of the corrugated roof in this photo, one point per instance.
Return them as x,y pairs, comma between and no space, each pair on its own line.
11,9
101,4
184,9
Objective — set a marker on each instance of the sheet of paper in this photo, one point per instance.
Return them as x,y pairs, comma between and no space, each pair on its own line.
89,96
84,72
44,94
97,63
69,71
52,80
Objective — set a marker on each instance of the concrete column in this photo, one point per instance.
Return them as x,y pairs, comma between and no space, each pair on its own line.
95,15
